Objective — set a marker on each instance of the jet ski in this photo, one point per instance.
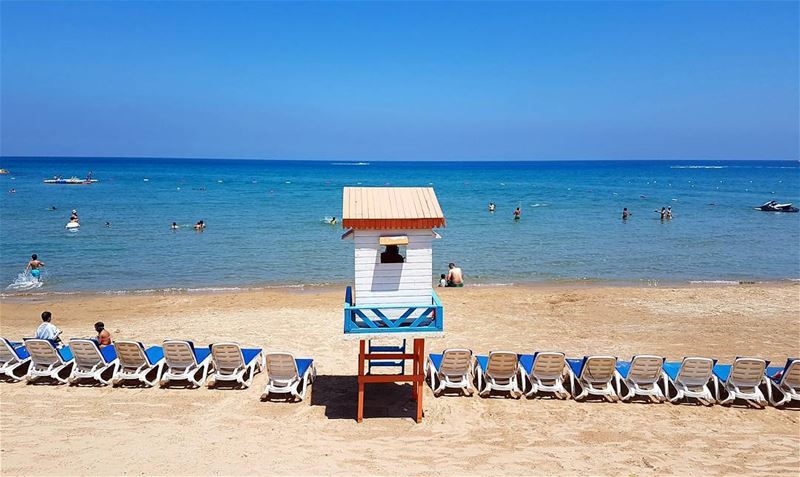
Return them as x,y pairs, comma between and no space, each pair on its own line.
774,206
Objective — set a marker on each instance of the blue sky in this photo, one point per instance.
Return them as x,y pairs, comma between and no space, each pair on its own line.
414,81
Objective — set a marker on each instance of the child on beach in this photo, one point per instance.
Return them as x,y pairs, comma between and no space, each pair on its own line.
34,266
48,331
443,280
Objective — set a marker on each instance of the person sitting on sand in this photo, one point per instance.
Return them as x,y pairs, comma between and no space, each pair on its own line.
174,226
48,331
455,277
200,225
443,280
103,336
35,266
392,255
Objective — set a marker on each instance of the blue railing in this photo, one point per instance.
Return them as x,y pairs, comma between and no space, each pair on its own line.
392,318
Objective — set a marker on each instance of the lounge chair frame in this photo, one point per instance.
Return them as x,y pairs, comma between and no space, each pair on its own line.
12,365
135,365
596,378
787,388
547,375
90,362
283,376
46,362
692,381
501,374
182,365
454,371
644,375
746,375
229,364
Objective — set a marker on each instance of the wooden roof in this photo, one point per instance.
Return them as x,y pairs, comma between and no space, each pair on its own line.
388,208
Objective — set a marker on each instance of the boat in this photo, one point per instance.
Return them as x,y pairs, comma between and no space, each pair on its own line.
71,181
774,206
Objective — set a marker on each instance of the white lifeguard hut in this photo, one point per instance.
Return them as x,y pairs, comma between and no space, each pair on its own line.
392,293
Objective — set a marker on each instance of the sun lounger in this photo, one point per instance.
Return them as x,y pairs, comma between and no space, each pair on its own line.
544,372
185,362
497,372
594,376
452,370
91,362
641,376
690,379
139,364
233,363
741,380
14,359
286,374
47,361
784,383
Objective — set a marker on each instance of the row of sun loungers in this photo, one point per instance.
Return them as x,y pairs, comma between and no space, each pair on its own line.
175,361
646,376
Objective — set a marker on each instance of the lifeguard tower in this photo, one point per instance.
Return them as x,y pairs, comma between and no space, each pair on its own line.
392,294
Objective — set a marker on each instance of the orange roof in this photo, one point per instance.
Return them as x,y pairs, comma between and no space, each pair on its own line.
387,208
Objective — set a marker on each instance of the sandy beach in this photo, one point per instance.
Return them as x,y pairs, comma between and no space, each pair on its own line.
63,430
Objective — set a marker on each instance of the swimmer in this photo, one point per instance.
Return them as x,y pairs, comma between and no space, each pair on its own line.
35,266
200,225
517,213
52,207
491,207
625,213
669,213
74,216
174,226
108,224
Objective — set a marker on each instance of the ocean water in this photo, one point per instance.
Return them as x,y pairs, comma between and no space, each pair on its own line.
264,221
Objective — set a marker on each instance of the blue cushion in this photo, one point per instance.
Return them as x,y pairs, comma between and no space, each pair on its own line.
722,371
772,373
21,351
623,368
483,362
302,365
201,354
436,360
672,368
154,354
526,361
249,353
65,353
576,364
109,353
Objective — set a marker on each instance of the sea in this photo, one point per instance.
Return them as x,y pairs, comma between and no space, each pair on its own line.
266,228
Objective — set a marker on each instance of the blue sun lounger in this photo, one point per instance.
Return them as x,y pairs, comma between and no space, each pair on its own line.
741,380
92,362
544,372
237,364
594,375
14,359
137,363
185,362
48,361
784,383
690,378
641,376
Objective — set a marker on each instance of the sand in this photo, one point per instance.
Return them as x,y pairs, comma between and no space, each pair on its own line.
61,430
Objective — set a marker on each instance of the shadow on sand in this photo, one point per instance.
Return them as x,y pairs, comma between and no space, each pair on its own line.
339,396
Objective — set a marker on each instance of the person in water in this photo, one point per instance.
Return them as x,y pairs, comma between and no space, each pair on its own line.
491,207
108,224
517,213
35,266
443,280
74,216
392,255
103,336
48,331
455,277
174,226
663,213
669,213
200,225
625,213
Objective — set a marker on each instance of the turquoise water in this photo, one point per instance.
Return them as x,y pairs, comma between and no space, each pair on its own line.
265,221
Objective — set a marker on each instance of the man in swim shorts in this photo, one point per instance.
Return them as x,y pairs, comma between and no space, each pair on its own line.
455,277
35,266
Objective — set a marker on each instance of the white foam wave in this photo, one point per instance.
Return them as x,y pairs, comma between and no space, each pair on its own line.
349,163
24,281
698,167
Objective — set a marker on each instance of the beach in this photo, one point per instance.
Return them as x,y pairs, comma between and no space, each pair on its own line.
47,429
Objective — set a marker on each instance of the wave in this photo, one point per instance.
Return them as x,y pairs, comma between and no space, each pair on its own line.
24,282
349,163
698,167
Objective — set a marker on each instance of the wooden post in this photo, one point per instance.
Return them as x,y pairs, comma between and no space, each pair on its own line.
419,361
361,349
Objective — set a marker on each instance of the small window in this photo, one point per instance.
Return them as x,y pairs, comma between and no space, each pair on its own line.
393,254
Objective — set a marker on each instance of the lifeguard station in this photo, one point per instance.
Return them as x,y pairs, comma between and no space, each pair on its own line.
392,294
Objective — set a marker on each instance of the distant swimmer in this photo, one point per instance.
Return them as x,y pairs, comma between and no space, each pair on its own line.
517,213
174,226
108,224
663,213
13,191
492,207
35,265
669,213
73,216
200,225
625,213
329,220
52,207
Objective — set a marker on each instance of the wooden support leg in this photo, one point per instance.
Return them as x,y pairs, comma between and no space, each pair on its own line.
414,370
360,416
420,361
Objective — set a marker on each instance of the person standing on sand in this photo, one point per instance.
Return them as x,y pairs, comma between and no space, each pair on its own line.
455,277
48,331
35,266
